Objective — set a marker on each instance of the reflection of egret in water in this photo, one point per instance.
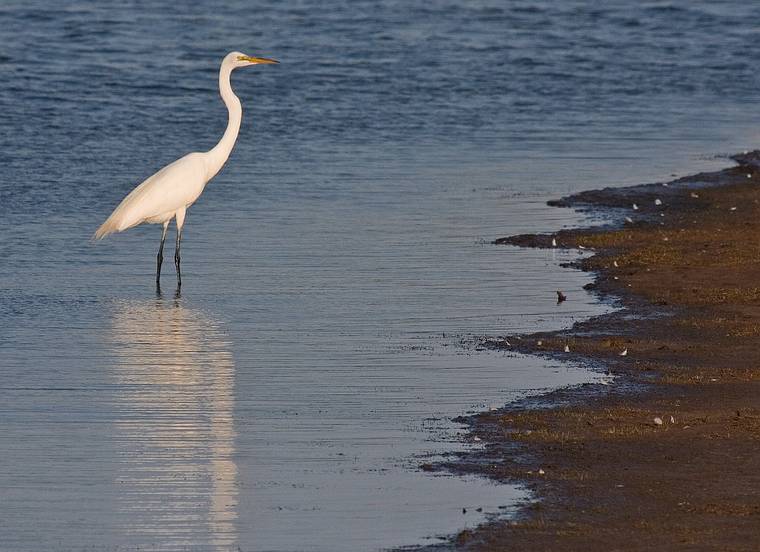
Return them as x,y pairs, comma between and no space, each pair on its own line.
177,475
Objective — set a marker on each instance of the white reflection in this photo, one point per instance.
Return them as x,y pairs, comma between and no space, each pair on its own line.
175,431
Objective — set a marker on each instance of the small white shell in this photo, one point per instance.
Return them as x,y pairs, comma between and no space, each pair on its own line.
658,421
657,202
624,353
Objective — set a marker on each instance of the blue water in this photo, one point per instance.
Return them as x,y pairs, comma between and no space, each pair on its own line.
314,357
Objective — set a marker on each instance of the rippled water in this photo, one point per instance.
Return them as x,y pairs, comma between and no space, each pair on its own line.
332,270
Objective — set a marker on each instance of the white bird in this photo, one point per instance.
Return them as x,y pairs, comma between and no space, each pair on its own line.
167,194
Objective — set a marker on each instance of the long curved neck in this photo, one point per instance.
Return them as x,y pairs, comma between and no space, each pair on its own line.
218,155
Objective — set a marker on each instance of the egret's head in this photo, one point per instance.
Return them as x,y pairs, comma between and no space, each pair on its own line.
238,59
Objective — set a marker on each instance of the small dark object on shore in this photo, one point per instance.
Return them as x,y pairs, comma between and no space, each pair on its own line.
561,297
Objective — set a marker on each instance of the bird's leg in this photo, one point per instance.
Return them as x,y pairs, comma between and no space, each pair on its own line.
180,220
176,258
160,256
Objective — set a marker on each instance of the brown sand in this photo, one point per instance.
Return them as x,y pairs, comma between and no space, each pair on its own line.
666,457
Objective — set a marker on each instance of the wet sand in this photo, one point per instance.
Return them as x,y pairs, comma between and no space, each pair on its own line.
663,455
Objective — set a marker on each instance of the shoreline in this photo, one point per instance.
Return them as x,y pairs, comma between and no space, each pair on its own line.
662,453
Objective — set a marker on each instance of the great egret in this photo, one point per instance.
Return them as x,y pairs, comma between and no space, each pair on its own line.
167,194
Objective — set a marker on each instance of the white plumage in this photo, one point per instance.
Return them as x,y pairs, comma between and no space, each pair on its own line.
168,193
158,199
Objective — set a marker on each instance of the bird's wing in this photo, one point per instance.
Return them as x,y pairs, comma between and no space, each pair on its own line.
176,185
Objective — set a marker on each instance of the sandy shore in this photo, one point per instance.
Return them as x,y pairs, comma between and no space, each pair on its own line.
665,453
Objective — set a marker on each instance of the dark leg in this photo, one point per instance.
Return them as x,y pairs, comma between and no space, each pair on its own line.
160,256
176,258
180,221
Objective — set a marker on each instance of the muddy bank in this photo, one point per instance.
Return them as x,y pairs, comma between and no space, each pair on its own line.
664,453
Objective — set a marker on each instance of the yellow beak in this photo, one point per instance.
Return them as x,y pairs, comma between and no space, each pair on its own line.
257,59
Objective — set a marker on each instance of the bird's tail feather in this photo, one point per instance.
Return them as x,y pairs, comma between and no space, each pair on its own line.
106,228
110,226
122,218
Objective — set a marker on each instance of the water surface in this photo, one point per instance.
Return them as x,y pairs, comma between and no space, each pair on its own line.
314,357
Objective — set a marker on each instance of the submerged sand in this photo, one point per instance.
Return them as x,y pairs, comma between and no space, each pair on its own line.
664,454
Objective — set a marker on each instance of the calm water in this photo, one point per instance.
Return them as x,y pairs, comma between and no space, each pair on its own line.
285,399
